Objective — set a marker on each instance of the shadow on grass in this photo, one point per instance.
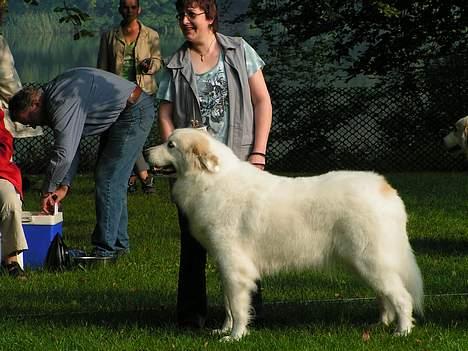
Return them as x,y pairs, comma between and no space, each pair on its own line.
445,312
161,317
440,246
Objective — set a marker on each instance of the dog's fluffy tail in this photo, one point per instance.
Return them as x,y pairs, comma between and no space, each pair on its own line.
412,278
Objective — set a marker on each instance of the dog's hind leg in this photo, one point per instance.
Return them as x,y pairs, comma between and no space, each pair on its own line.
387,312
392,291
401,300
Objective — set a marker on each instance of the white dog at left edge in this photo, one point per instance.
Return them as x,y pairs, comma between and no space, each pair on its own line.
255,223
457,140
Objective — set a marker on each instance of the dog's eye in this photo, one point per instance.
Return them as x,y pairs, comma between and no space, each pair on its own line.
170,144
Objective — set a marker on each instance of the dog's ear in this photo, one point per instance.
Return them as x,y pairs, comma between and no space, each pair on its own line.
204,160
462,123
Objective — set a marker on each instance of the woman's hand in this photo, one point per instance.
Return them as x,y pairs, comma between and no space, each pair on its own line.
258,159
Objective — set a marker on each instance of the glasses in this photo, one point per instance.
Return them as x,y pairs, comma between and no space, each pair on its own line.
190,15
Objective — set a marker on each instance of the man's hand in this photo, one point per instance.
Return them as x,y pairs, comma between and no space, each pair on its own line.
61,192
48,200
145,65
47,203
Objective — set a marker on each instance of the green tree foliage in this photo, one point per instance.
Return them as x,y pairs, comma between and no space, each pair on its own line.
90,17
371,37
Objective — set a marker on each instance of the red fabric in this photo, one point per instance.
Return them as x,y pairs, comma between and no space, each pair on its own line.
8,170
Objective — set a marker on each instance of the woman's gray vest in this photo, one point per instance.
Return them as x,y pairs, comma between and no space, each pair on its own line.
186,107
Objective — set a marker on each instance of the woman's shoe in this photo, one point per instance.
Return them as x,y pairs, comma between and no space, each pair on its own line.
14,270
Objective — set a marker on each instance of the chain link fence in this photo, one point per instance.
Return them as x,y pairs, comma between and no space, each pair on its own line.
386,129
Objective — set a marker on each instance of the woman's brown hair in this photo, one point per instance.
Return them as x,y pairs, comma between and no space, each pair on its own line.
209,7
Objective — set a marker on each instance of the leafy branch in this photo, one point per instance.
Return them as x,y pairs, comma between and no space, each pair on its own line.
71,14
75,16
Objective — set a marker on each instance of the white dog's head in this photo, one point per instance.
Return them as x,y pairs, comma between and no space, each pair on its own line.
187,150
456,141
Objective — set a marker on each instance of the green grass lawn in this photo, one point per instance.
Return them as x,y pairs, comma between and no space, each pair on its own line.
131,305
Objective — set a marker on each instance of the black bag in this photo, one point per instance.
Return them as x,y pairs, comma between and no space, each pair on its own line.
60,256
57,257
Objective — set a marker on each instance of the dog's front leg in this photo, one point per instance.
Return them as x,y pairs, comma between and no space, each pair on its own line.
238,318
227,325
238,292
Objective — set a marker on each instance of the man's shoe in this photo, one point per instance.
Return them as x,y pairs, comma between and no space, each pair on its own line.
101,253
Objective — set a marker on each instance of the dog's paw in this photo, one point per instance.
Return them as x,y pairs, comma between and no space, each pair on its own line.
234,336
404,329
221,331
387,318
229,338
402,332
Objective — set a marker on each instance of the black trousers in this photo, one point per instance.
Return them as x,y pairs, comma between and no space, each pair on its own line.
192,303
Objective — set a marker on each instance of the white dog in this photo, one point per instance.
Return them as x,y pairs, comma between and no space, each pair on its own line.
457,140
254,223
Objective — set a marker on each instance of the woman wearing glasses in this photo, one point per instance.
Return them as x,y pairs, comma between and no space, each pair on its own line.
213,81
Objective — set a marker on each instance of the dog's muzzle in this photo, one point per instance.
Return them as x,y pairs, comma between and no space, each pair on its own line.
168,171
451,143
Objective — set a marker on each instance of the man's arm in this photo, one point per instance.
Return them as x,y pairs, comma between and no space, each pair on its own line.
103,59
67,120
155,52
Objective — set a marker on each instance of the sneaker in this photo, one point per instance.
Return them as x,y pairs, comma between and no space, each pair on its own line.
14,270
121,253
148,186
101,253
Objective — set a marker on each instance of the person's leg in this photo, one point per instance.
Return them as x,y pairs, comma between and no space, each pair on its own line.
124,141
122,245
257,303
191,293
132,182
111,174
192,302
13,238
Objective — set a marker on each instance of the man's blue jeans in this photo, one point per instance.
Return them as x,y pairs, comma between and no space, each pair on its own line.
118,152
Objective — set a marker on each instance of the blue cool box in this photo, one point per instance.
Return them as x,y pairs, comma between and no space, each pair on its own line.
39,230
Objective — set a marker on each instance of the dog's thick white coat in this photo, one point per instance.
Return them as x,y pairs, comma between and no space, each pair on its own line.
254,223
458,138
